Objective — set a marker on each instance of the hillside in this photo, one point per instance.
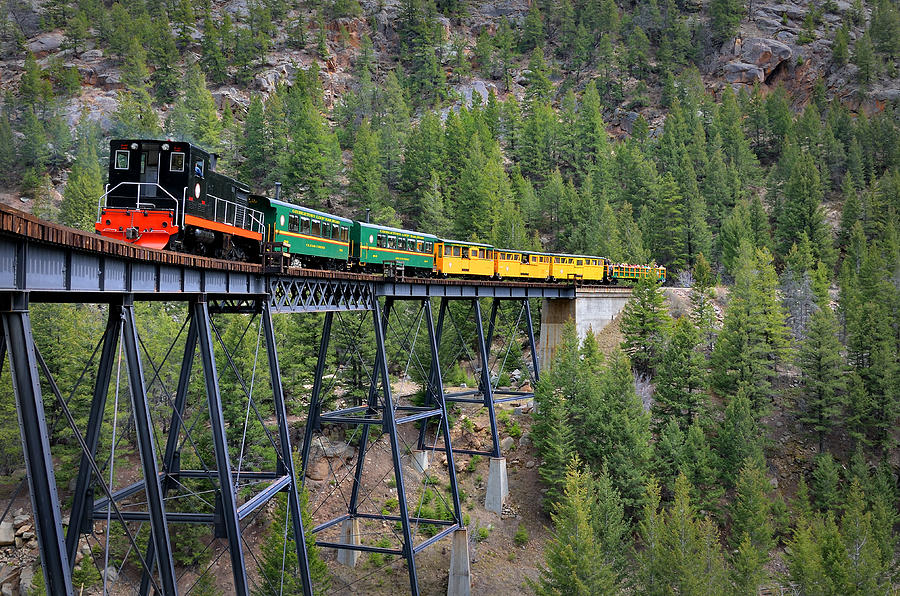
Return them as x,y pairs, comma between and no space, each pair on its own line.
735,431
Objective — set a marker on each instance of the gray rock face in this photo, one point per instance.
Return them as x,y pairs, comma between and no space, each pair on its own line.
742,72
765,53
44,44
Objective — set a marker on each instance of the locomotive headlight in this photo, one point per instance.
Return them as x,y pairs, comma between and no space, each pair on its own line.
165,147
197,190
134,146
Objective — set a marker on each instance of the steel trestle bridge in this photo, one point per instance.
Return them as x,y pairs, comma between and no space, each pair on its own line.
46,263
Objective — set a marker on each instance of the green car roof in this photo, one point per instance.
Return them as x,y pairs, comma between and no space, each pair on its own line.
285,205
390,230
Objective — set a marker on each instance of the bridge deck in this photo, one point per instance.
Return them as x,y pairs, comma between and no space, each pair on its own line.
55,263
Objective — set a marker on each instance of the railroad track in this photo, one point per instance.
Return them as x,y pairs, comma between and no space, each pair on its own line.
18,223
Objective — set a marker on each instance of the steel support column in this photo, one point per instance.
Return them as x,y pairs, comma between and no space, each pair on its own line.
184,380
144,434
381,359
82,501
286,451
531,342
315,404
445,423
200,310
433,379
36,445
486,390
372,406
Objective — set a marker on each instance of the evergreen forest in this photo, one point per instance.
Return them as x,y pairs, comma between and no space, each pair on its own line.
742,433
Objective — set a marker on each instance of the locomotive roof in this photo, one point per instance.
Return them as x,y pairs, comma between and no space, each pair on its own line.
287,205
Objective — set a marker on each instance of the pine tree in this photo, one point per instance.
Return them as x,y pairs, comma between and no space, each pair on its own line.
554,440
644,323
366,187
532,30
8,156
574,557
703,313
610,526
866,573
801,211
681,552
213,59
432,216
163,55
821,367
739,438
83,188
726,16
753,339
700,464
864,58
747,567
681,377
77,31
750,513
826,480
539,88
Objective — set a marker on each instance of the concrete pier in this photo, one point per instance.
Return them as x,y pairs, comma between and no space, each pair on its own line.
419,460
349,535
460,583
497,486
594,307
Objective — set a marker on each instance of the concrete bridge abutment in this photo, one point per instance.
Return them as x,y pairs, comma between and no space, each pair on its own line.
593,307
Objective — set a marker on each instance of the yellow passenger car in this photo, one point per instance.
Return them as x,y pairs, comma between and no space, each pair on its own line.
593,270
564,268
513,263
453,257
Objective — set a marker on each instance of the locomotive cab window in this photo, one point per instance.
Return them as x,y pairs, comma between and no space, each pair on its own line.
419,246
326,230
440,251
380,242
304,225
316,228
345,233
456,251
122,159
392,242
293,223
176,162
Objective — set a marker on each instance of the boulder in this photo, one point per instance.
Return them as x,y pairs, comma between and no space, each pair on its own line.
112,576
7,534
765,53
45,44
742,72
318,471
21,520
507,443
95,54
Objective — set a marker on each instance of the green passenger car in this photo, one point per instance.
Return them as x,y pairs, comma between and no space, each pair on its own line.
373,245
310,237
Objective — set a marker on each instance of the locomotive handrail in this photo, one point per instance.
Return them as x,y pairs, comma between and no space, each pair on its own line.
137,202
256,217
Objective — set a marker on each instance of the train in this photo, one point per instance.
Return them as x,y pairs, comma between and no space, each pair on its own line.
167,195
